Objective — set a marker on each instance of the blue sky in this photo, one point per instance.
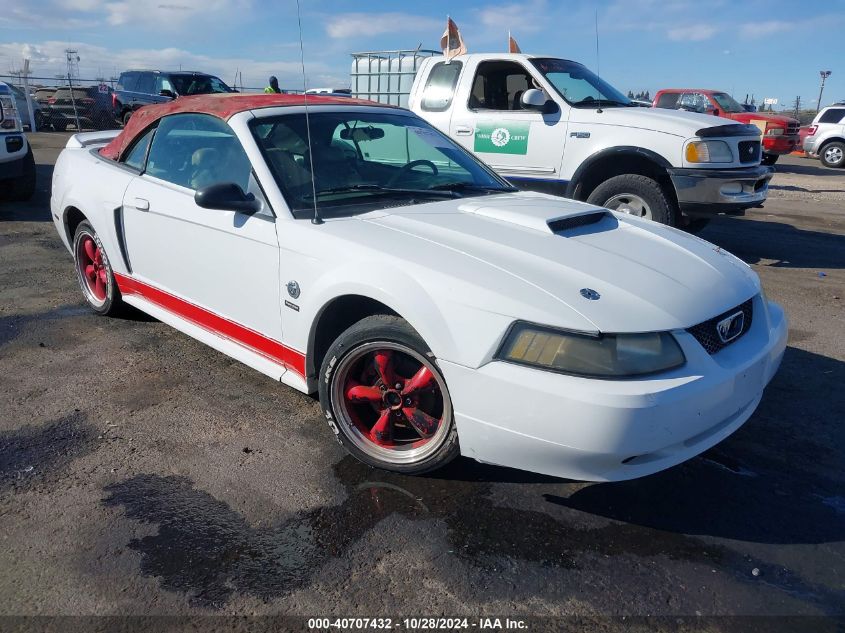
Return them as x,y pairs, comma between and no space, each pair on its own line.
771,48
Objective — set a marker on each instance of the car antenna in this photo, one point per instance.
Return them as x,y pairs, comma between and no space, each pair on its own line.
598,62
316,219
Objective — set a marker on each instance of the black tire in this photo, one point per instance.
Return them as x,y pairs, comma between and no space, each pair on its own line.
769,159
613,192
373,335
111,303
23,187
833,154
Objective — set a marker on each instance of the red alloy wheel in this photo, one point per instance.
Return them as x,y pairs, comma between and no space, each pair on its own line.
392,401
92,268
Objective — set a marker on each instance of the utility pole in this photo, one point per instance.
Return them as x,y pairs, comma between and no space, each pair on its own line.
824,75
797,106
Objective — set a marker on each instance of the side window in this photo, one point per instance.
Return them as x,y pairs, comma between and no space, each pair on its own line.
694,101
197,150
499,86
668,100
136,156
146,83
834,115
128,81
163,83
440,86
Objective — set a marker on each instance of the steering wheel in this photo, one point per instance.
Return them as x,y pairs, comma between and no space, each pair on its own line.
403,171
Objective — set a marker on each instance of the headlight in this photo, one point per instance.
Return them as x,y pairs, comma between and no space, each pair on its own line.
9,115
608,355
708,152
775,131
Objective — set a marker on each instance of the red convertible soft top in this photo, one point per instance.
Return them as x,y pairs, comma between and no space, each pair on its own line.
219,105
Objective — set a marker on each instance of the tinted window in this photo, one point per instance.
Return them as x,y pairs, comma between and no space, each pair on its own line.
578,85
163,83
834,115
198,84
135,157
128,81
365,161
146,83
668,100
440,87
197,150
499,86
694,101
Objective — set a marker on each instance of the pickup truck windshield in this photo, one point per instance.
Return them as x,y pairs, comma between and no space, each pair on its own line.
727,103
578,85
366,160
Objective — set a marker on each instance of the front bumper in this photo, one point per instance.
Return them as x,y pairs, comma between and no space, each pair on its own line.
704,192
780,144
612,430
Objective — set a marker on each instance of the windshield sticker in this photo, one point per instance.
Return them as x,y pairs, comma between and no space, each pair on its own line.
430,137
510,138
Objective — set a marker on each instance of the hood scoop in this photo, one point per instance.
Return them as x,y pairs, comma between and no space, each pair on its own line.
539,217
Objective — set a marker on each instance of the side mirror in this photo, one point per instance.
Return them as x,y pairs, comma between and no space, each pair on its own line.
167,93
533,99
227,196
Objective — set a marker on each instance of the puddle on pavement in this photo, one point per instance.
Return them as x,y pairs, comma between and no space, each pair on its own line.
34,455
207,550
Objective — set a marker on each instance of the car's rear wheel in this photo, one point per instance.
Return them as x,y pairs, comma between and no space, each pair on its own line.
833,154
636,195
385,398
769,159
94,272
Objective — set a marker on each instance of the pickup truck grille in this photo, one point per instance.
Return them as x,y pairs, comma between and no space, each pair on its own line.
792,128
707,332
749,151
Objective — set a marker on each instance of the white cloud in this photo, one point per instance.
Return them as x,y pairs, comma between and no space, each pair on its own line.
695,33
764,29
349,25
525,18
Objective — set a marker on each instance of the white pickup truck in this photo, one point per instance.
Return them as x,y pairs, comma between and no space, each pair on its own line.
551,125
17,165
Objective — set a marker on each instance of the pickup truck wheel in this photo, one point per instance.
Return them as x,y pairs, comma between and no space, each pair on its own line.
386,400
636,195
94,272
769,159
23,187
833,154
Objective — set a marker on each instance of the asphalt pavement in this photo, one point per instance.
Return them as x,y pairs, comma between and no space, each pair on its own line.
143,473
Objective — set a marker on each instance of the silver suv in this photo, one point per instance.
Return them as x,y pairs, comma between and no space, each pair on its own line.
826,136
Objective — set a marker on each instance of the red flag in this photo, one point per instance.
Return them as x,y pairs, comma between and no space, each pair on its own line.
452,43
513,47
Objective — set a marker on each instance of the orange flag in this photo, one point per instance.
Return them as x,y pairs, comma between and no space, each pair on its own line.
513,47
451,42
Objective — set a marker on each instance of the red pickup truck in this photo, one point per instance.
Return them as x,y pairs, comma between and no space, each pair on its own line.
780,133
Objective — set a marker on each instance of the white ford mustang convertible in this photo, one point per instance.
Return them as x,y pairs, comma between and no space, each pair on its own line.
351,249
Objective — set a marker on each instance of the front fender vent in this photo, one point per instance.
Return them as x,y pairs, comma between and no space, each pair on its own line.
575,222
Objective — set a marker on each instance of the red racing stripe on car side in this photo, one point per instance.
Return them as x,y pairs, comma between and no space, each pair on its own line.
267,347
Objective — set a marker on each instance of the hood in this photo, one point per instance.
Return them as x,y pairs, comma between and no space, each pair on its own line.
769,117
677,122
540,251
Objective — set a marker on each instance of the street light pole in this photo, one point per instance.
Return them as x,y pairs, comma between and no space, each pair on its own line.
824,75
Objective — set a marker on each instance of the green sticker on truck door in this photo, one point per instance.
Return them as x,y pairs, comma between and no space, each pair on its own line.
504,138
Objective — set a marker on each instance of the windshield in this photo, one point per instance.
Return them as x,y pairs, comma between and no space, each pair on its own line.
366,160
727,103
198,84
578,85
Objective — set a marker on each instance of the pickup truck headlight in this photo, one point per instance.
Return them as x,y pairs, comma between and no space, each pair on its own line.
604,356
9,121
775,131
708,152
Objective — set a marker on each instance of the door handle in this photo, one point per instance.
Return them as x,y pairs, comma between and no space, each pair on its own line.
141,204
463,130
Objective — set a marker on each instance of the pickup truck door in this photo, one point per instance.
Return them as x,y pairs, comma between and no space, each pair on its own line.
488,119
224,262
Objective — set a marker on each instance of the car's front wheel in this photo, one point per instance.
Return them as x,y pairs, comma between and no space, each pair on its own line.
94,272
833,154
386,399
635,195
